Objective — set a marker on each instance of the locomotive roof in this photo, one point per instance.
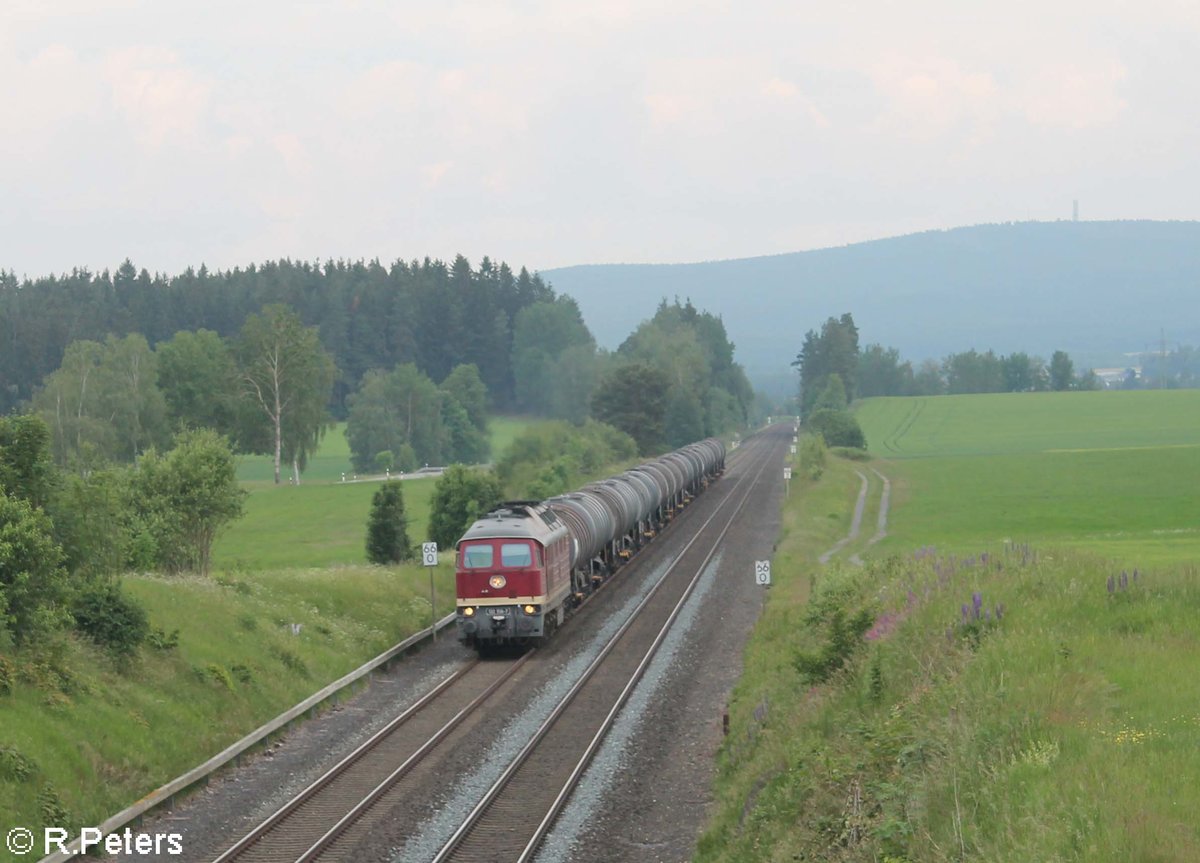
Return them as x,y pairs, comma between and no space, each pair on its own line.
516,520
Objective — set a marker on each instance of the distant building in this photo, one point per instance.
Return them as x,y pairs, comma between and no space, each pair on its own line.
1114,379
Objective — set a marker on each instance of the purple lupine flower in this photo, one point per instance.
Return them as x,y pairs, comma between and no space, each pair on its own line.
966,615
1135,575
1000,611
1124,580
977,600
1112,584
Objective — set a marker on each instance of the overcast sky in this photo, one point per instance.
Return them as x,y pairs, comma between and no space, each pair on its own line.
555,133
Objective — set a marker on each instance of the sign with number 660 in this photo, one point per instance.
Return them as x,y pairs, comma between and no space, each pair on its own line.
762,572
429,553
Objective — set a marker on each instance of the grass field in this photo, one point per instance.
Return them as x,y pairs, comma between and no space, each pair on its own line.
1030,422
323,521
1111,472
1050,724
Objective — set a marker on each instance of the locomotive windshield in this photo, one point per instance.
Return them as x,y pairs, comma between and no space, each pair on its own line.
516,554
477,556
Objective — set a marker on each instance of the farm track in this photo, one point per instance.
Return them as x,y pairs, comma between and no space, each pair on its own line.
860,505
514,815
341,800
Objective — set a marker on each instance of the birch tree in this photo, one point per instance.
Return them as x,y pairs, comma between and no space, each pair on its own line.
288,376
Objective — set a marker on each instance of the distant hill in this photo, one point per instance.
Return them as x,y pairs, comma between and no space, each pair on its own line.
1094,289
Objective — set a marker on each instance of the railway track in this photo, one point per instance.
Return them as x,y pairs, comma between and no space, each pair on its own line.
515,814
312,822
331,816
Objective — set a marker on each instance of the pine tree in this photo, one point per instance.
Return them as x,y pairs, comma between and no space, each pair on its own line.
387,526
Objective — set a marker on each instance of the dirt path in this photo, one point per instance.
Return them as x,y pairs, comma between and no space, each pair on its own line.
885,498
855,523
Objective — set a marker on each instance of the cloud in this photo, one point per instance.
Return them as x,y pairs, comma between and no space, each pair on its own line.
1075,96
928,97
163,101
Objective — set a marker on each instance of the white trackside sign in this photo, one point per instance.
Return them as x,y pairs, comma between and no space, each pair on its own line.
429,553
762,572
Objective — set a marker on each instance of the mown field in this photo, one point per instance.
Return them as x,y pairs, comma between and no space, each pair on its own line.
1013,692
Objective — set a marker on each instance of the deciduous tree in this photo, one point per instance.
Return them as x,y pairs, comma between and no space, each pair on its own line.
460,497
288,376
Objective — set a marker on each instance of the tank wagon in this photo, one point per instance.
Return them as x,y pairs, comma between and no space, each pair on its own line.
521,569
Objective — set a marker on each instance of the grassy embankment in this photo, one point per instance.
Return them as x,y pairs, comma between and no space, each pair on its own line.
88,736
1061,728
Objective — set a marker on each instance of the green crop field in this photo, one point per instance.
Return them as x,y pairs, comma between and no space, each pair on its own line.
1030,422
1112,472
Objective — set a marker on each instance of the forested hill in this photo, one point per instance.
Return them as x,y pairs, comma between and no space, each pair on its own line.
1093,289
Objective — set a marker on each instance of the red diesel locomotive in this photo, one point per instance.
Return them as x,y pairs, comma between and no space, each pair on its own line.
523,567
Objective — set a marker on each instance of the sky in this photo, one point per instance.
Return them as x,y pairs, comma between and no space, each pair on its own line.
591,131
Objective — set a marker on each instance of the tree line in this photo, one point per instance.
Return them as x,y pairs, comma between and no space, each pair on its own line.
413,357
834,369
368,315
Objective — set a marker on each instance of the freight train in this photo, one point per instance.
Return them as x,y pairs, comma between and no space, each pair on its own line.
521,569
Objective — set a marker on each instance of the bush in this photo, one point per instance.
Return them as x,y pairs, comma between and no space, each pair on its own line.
812,456
110,618
838,428
387,526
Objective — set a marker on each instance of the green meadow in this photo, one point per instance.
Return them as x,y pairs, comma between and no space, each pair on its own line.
1110,472
1001,679
322,522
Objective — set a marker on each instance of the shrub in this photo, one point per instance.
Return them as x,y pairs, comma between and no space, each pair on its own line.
844,637
14,766
812,456
110,618
7,675
838,428
160,639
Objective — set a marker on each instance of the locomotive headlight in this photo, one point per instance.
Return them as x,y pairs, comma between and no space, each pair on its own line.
497,581
468,612
530,609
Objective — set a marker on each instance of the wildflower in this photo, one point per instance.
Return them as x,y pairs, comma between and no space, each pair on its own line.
1112,584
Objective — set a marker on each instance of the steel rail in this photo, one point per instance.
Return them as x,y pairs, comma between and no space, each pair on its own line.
360,808
279,817
497,788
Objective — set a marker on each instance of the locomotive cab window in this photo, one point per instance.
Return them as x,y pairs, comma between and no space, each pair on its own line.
516,554
476,556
